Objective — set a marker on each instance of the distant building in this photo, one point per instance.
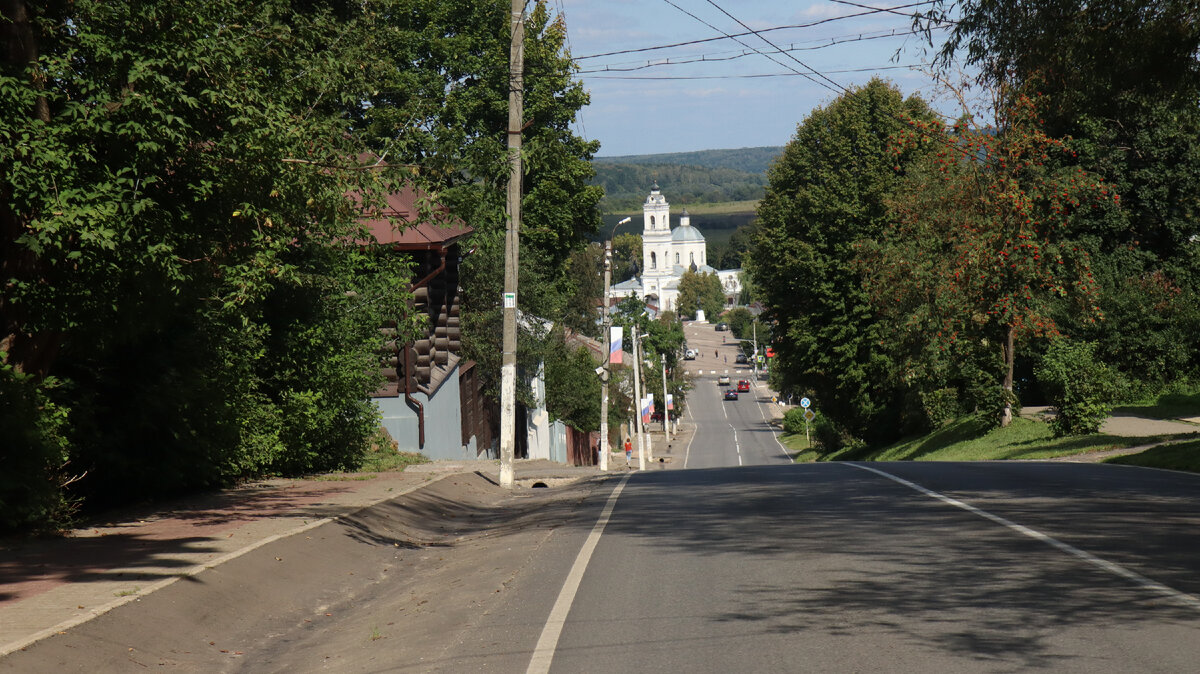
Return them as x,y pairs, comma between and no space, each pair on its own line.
666,254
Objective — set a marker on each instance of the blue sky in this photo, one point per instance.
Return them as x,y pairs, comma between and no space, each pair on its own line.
718,106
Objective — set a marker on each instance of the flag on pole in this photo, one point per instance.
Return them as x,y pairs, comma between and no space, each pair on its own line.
615,348
670,401
647,403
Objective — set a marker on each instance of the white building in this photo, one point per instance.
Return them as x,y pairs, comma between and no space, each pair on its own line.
668,252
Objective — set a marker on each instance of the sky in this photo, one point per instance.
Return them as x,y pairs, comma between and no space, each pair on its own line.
729,96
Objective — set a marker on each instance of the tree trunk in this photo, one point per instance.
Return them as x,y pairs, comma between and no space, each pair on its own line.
1009,360
31,353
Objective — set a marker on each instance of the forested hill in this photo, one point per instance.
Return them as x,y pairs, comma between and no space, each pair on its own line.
706,176
746,159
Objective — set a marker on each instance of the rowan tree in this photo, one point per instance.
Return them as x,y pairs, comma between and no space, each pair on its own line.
979,251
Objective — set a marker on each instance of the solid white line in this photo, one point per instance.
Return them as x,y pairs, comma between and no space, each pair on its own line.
543,653
1116,569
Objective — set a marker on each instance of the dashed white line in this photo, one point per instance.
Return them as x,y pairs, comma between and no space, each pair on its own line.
1116,569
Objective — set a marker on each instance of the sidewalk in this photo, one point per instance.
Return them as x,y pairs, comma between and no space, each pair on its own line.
49,586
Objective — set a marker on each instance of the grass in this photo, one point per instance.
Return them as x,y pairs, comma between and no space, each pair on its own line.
1176,456
969,439
384,459
715,208
1165,406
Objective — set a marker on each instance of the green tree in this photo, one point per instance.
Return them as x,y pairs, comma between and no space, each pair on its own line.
445,110
1120,80
827,192
700,291
979,251
172,172
627,252
584,290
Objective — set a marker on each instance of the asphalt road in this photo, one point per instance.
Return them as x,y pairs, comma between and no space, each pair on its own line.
835,568
742,562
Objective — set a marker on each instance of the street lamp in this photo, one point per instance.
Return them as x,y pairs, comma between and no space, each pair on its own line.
606,323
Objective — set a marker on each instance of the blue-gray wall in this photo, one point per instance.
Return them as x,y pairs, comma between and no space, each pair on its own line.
443,422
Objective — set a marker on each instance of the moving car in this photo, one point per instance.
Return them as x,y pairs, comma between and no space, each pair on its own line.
722,327
743,386
690,354
731,395
741,359
723,380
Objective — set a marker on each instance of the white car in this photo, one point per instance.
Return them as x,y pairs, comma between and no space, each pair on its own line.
723,380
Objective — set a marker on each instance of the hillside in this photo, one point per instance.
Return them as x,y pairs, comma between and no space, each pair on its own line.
746,159
688,178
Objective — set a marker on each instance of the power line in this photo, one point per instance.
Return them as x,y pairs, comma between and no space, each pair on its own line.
718,58
768,56
734,77
734,36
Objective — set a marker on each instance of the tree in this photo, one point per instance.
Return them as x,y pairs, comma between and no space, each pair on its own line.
828,191
627,251
584,291
1120,82
174,199
445,110
980,249
699,291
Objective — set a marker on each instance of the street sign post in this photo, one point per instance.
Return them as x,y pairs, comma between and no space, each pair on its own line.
809,415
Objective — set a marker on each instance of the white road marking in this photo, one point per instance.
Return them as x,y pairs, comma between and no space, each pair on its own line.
1116,569
543,653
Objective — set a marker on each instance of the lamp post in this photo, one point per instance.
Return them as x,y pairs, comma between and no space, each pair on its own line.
606,325
666,412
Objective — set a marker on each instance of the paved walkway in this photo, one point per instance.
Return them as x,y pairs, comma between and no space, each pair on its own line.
48,586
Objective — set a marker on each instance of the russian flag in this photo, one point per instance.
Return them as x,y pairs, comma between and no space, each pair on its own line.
670,401
615,346
647,404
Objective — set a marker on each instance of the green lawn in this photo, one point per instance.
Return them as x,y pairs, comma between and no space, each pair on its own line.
1177,456
1165,406
968,440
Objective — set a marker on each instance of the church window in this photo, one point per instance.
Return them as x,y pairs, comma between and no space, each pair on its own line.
653,261
651,221
691,258
676,258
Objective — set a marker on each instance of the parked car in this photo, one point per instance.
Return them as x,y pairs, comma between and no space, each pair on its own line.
722,327
743,386
690,354
723,380
731,395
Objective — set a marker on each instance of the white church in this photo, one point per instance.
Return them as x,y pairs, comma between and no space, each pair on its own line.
668,252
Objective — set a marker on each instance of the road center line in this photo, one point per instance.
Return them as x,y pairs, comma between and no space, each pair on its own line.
1116,569
543,652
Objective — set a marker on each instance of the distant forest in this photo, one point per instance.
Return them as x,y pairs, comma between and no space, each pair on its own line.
707,176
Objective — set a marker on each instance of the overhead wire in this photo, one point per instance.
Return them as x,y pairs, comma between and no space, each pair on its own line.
734,36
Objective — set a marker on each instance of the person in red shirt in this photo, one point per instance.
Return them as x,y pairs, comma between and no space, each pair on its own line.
628,450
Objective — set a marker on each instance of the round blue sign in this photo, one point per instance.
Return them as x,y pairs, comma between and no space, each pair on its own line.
805,402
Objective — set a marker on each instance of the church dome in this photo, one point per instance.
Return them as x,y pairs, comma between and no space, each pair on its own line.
686,233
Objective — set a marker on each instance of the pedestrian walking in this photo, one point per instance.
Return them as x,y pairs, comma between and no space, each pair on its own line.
628,450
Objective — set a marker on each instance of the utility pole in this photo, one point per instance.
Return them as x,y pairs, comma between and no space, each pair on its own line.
606,372
666,412
637,397
606,323
508,363
754,325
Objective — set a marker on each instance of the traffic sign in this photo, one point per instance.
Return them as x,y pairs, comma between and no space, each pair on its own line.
809,415
805,402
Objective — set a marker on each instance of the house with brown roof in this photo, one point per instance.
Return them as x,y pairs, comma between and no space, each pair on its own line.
430,400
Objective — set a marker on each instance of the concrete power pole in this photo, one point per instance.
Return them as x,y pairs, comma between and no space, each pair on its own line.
637,397
508,363
666,412
606,373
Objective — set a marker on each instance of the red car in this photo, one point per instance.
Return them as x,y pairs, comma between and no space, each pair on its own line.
743,386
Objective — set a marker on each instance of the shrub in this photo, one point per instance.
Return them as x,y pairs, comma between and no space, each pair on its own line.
1080,387
33,453
940,406
793,420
